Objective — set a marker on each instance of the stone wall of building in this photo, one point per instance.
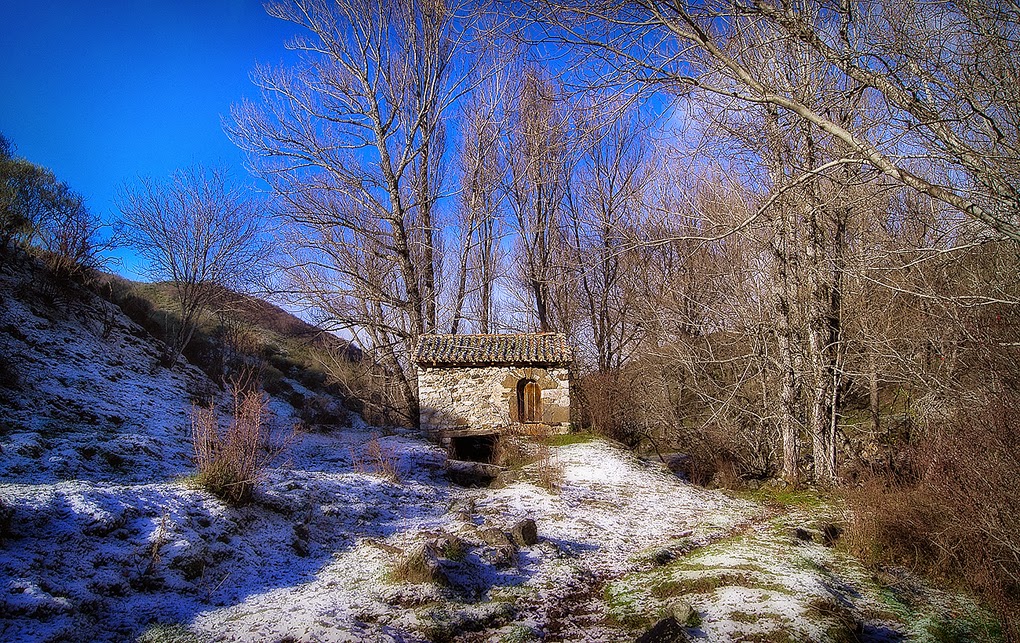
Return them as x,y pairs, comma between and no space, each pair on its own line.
485,397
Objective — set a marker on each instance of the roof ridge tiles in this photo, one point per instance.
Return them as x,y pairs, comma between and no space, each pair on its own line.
493,348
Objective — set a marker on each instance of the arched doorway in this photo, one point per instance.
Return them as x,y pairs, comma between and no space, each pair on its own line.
529,401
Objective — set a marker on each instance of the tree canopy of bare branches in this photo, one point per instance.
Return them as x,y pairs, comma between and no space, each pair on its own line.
352,141
196,230
944,74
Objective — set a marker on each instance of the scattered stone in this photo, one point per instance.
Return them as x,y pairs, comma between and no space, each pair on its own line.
685,614
831,534
524,533
668,630
421,566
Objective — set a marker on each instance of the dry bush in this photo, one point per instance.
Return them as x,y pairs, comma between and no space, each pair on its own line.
606,406
960,521
383,459
231,462
70,239
375,459
549,470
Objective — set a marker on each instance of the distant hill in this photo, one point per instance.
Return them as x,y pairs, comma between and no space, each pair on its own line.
241,331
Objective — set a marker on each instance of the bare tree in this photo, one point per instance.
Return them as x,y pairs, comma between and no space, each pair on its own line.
70,235
482,169
198,232
537,184
351,140
26,194
603,209
944,74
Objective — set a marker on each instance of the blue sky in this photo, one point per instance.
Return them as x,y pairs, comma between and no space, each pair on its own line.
104,92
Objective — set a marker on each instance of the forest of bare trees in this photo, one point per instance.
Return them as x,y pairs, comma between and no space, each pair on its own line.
782,236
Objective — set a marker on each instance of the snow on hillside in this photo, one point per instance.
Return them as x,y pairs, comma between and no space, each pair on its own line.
86,396
104,538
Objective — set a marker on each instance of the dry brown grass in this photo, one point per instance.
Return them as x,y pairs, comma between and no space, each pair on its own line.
957,517
521,445
376,459
383,459
231,462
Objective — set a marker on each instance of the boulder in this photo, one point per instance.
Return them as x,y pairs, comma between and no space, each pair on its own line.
668,630
524,533
421,565
685,614
472,474
494,537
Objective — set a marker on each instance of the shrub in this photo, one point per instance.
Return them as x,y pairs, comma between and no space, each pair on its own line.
376,460
231,462
70,238
959,519
383,459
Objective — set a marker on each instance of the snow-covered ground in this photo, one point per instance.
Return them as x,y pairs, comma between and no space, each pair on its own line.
104,537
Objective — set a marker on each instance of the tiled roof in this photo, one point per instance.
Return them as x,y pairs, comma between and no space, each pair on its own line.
525,349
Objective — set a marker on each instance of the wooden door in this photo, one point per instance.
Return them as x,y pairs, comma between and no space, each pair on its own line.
529,401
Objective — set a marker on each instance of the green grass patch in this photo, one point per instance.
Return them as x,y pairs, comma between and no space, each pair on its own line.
164,633
562,440
792,498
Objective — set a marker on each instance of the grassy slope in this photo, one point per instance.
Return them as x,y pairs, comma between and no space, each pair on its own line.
241,329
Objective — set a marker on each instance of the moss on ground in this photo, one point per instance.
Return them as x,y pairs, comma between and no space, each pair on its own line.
561,440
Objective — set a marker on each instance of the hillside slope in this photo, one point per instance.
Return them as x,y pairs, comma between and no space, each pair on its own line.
84,394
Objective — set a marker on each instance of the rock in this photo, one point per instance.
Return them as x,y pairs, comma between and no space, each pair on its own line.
524,533
501,557
448,546
775,484
494,537
472,474
668,630
663,557
506,478
421,565
300,547
831,534
6,520
501,552
685,614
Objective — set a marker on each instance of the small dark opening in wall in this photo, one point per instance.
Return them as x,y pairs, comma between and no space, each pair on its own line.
473,448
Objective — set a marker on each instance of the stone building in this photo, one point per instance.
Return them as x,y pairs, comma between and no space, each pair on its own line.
476,385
